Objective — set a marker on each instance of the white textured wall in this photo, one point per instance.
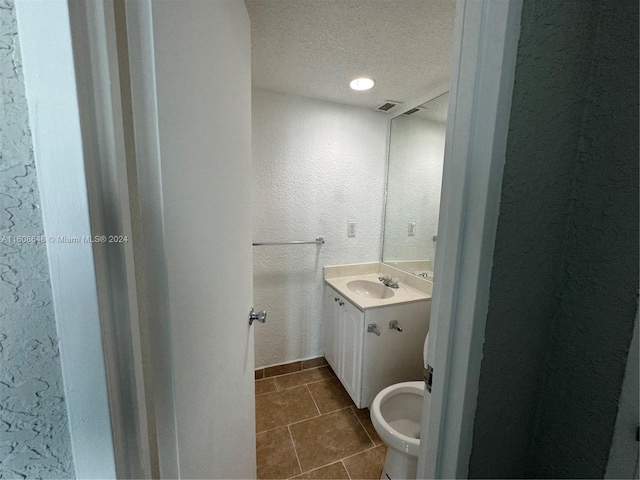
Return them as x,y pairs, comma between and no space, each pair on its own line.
34,431
416,153
316,166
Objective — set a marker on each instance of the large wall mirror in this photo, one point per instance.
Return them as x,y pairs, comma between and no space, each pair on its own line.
414,180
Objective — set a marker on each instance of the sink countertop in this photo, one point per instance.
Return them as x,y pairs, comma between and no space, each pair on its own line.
404,294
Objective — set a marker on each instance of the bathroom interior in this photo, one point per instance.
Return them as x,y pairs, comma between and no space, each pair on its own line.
362,171
137,360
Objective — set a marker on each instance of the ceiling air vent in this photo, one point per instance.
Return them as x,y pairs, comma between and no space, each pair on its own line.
413,110
387,106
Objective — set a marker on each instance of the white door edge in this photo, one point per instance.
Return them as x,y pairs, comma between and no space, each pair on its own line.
93,30
486,37
140,43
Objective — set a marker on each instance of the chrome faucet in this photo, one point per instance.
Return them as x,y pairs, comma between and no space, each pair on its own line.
389,282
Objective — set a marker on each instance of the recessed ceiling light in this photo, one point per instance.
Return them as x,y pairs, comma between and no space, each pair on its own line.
362,83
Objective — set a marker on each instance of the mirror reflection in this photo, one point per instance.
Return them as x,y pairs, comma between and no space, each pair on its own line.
414,180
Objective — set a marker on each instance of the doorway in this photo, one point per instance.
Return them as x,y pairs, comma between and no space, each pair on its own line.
172,125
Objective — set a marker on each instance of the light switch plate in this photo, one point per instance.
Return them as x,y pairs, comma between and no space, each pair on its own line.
351,229
411,231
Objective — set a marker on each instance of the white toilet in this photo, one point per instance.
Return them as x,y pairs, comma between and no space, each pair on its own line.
396,414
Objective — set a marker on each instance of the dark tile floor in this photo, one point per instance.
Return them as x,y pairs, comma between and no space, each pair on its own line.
308,427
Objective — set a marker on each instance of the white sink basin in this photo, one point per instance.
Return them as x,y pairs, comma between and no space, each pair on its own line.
370,289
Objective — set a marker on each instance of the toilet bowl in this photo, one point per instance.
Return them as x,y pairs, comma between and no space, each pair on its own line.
396,415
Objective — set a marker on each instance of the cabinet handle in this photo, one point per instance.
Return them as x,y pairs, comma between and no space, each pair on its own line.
336,299
373,328
341,304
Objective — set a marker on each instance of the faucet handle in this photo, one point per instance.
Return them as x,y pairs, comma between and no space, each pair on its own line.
388,281
393,325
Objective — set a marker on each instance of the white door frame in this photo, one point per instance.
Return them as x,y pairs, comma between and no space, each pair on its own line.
71,75
123,183
486,37
141,75
113,198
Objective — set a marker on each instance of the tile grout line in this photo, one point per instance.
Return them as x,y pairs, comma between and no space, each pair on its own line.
323,466
293,373
304,383
363,427
322,380
314,400
345,469
350,407
265,393
361,451
300,371
279,388
295,450
338,461
301,362
321,415
338,409
305,419
278,391
301,384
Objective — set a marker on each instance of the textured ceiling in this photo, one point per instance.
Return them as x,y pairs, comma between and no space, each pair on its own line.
314,48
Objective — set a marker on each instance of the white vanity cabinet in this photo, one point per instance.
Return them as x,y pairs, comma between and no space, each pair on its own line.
366,362
343,340
331,327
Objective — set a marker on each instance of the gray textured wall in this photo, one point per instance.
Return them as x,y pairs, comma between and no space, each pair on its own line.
34,434
564,280
592,329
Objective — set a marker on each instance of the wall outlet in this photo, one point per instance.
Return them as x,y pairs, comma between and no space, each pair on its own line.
351,229
411,231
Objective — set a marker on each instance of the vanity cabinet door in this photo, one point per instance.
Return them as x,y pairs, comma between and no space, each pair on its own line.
394,356
351,333
331,327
